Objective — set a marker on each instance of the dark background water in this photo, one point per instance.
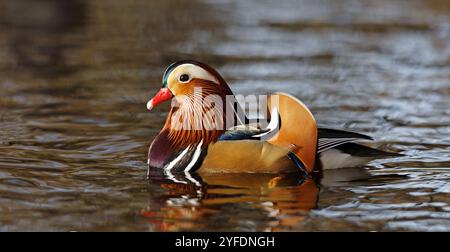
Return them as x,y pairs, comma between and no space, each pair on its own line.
74,130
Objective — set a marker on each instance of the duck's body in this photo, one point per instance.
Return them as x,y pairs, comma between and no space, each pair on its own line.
258,157
194,137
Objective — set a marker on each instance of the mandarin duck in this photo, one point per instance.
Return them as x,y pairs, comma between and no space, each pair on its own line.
206,131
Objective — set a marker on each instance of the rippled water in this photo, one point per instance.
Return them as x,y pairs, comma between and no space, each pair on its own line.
74,130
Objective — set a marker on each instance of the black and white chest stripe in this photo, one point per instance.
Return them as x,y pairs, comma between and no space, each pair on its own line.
187,160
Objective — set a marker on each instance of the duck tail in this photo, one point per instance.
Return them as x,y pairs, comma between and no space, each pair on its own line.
298,129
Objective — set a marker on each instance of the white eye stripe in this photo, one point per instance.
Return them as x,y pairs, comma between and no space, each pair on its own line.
193,71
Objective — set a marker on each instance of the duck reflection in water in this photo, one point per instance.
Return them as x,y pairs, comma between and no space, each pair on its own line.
192,202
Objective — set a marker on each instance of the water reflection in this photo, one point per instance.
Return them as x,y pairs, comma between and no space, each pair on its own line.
191,202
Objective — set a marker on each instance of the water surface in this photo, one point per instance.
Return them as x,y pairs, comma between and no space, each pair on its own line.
74,130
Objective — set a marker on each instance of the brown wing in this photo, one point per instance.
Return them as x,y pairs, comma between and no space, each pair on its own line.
298,131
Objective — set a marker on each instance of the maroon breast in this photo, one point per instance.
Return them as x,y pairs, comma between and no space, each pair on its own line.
160,150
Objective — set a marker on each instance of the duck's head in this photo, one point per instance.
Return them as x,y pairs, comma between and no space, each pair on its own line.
200,105
184,78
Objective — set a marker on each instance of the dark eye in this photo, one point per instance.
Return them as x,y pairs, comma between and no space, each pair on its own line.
184,78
